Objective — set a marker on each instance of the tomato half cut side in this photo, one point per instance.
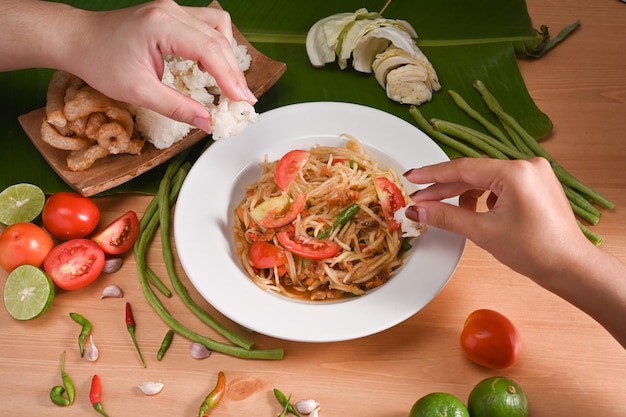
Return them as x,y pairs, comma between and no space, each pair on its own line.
74,264
265,255
278,211
490,339
120,235
308,247
289,166
391,200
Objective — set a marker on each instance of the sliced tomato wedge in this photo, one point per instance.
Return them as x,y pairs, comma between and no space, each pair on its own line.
266,255
308,247
288,167
278,211
120,235
390,198
74,264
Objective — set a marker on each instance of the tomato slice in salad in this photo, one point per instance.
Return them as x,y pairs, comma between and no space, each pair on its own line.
278,211
288,167
266,255
120,235
390,198
308,247
74,264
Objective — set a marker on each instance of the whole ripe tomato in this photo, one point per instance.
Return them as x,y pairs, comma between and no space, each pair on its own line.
74,264
120,235
490,339
23,244
68,215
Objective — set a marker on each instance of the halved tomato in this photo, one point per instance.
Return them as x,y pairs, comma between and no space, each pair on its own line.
308,247
288,167
390,198
74,264
120,235
278,211
266,255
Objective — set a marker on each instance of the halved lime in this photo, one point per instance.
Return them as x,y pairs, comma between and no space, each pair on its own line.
28,292
21,203
439,404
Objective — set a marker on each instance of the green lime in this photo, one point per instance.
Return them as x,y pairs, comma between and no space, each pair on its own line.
21,203
439,404
497,396
28,292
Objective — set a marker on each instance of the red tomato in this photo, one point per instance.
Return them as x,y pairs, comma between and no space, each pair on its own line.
390,198
266,255
308,247
120,235
278,211
490,339
69,215
74,264
23,244
289,166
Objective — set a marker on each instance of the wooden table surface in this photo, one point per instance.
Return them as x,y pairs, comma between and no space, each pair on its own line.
569,365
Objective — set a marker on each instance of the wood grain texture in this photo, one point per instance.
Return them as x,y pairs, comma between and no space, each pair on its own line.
569,365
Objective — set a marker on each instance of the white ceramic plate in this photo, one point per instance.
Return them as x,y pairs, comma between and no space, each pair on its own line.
203,224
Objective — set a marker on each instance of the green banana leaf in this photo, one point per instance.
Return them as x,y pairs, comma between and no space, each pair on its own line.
464,41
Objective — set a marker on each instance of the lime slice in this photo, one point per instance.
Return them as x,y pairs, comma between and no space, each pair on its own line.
21,203
28,292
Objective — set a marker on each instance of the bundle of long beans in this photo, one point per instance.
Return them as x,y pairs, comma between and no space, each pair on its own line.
510,140
157,215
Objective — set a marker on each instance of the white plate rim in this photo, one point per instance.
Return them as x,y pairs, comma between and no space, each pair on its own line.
204,237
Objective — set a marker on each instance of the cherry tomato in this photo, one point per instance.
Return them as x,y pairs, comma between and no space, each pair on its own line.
68,215
266,255
120,235
490,339
289,166
390,198
23,244
74,264
308,247
278,211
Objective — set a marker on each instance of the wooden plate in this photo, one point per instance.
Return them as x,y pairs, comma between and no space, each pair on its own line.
114,170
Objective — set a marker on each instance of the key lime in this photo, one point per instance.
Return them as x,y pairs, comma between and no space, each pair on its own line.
439,404
21,203
497,396
28,292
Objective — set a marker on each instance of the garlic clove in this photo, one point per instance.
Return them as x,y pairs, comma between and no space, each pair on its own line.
112,291
112,265
314,413
306,406
92,352
150,388
199,351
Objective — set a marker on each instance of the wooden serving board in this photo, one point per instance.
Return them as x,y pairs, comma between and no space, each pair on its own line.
114,170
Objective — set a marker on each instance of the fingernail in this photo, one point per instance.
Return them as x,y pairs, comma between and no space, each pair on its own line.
202,123
247,95
415,213
414,193
408,172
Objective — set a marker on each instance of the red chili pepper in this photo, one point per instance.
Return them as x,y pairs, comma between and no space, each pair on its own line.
94,395
130,325
214,396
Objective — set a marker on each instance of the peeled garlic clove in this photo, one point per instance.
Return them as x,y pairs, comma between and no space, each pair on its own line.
199,351
92,352
306,406
151,388
112,291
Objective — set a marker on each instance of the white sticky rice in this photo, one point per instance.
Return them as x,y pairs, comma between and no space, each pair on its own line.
229,117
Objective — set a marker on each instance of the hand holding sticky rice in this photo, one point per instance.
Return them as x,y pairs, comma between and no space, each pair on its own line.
120,52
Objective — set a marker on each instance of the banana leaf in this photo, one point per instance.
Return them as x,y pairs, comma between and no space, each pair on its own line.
464,41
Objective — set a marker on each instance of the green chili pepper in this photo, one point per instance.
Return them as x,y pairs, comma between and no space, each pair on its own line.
342,218
214,396
286,403
165,345
56,393
78,318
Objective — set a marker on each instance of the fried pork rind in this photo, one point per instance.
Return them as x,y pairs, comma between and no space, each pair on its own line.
87,123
